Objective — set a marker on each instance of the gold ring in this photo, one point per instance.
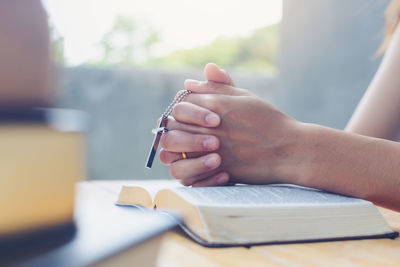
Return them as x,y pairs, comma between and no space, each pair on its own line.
184,156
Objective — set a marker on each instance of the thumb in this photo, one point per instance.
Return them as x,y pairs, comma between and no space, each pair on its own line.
213,73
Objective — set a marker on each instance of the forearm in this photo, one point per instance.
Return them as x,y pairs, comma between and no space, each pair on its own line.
378,112
350,164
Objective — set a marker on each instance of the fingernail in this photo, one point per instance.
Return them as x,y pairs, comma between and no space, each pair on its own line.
211,162
210,143
212,119
222,179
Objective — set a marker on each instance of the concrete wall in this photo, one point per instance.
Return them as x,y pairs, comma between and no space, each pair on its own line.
123,106
327,57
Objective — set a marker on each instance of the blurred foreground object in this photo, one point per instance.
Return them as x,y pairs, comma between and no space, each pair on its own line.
25,69
106,235
41,149
41,159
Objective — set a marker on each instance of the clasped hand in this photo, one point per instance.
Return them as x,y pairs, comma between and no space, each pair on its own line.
229,135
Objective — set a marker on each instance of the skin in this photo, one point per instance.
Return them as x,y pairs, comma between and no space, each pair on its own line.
234,136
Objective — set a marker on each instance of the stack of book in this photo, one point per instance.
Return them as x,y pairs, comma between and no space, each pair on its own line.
41,159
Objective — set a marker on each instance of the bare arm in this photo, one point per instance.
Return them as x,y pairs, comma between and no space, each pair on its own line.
351,164
378,113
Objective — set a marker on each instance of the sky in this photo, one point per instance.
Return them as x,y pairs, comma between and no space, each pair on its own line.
181,23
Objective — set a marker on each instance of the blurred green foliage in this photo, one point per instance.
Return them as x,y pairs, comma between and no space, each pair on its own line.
56,46
128,44
255,52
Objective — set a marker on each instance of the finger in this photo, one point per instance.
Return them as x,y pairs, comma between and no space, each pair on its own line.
203,176
210,87
192,180
167,157
190,113
215,180
213,73
158,122
190,128
187,168
178,141
212,102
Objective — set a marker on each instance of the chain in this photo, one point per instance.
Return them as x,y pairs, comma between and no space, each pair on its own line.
161,128
178,98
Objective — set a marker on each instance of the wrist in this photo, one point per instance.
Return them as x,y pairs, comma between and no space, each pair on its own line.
344,163
298,167
332,160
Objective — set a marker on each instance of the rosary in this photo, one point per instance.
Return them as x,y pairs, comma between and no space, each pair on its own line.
162,126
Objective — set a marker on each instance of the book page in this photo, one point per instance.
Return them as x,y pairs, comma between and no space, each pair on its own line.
151,186
261,195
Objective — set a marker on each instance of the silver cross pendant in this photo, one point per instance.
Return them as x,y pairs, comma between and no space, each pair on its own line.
158,132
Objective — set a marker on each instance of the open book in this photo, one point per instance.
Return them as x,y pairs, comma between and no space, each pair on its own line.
260,214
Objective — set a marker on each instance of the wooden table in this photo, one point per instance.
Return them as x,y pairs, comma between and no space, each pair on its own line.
178,250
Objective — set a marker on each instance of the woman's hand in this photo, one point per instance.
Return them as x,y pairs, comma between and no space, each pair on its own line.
253,141
250,141
204,118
